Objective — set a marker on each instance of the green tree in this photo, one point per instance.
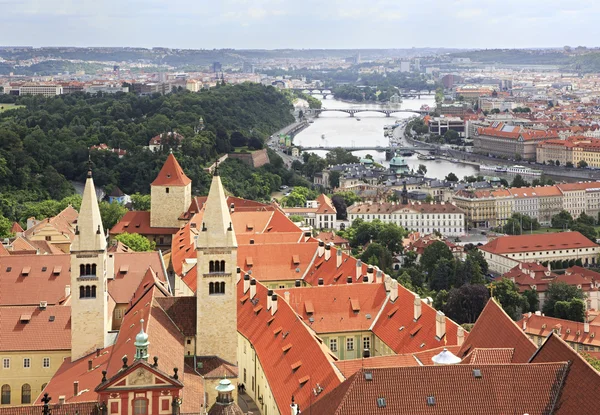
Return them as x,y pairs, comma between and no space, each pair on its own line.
518,181
111,213
432,254
585,219
569,164
391,235
582,164
468,272
140,202
334,179
464,304
340,156
441,276
5,225
451,177
377,254
533,301
594,362
576,310
559,291
136,242
562,220
507,294
422,169
586,230
349,196
340,207
557,162
477,256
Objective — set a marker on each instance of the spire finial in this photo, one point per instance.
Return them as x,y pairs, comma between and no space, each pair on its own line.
89,173
216,169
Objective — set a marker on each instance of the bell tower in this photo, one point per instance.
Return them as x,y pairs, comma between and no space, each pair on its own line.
170,195
89,295
216,320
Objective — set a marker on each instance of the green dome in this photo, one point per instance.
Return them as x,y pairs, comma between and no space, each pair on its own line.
398,161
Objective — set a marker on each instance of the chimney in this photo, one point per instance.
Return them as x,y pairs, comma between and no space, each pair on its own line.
90,365
252,288
321,281
246,283
327,252
306,236
349,280
75,388
524,324
586,327
460,335
232,208
67,290
61,399
338,256
393,290
321,249
440,324
417,307
358,268
238,275
370,274
297,283
273,304
379,276
366,279
98,352
269,295
286,295
110,267
294,407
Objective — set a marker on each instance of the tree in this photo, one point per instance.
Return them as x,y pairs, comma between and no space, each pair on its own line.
557,162
533,301
562,220
586,230
433,254
451,177
441,277
451,137
559,291
428,198
518,181
477,256
507,294
111,213
585,219
5,226
422,169
576,310
136,242
468,272
334,179
140,202
569,164
349,196
582,164
340,206
377,254
464,304
391,235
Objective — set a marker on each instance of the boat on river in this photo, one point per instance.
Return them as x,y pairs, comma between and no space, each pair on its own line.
425,157
523,170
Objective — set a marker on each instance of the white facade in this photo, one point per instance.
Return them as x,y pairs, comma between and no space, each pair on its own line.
45,90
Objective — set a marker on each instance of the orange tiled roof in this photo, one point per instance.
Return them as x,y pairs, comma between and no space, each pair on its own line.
495,329
171,174
569,331
130,269
582,380
139,222
16,228
531,243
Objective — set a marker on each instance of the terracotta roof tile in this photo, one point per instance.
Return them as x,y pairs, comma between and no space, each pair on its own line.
139,222
532,242
130,269
171,174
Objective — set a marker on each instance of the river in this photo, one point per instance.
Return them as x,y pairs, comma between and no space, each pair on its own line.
340,129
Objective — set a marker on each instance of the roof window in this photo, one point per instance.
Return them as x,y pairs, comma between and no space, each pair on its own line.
368,375
381,402
431,400
477,373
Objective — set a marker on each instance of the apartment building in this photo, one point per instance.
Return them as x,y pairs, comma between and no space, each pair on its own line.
510,141
573,149
541,202
45,90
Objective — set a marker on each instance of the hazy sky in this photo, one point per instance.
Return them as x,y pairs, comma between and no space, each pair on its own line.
272,24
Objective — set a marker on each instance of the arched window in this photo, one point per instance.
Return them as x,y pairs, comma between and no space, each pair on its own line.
81,292
222,288
93,269
222,266
81,270
44,386
140,406
5,399
25,393
88,291
93,291
88,269
211,266
211,287
217,266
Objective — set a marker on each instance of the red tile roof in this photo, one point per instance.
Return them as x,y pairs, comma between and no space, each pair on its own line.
124,284
331,306
501,389
531,243
495,329
316,362
39,284
396,327
582,382
171,174
275,262
47,329
489,356
569,331
16,228
139,222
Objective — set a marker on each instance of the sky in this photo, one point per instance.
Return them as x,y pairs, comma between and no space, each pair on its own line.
308,24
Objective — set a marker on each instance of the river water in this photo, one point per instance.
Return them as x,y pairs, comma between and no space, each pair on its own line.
340,129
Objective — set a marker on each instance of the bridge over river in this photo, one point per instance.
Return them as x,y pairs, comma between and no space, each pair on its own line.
353,111
362,148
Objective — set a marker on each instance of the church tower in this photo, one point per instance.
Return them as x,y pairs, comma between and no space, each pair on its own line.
89,294
216,320
170,195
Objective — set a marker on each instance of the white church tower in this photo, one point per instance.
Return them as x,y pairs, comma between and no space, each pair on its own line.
216,320
89,294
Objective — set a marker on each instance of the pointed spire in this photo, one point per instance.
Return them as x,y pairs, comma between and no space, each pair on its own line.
90,232
171,174
216,227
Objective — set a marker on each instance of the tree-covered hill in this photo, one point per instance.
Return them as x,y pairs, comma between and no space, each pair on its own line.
45,145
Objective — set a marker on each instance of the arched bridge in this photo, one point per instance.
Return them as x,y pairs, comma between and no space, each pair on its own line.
362,148
352,111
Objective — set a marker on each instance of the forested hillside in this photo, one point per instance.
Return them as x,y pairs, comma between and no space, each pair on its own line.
45,144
